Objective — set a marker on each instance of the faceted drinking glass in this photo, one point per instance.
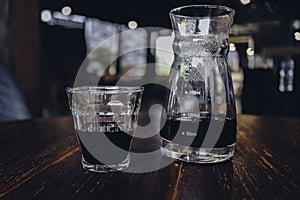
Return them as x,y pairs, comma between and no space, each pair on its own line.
104,121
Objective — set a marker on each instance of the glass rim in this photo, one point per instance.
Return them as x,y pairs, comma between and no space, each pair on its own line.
104,89
230,11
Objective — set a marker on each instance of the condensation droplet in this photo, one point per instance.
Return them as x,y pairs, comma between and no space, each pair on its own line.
191,27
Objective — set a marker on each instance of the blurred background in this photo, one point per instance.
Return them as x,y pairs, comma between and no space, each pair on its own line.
43,43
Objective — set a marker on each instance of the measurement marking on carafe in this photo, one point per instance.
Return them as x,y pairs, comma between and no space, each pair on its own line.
188,133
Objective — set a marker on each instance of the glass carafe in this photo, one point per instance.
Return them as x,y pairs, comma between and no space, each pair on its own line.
200,120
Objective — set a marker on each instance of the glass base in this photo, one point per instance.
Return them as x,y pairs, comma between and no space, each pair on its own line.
105,168
197,155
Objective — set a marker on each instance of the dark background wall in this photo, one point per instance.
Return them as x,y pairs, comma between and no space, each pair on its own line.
44,59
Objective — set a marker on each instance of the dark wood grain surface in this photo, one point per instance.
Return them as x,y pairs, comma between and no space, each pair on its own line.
40,159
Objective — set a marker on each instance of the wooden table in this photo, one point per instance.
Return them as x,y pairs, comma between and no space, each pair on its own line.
40,159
